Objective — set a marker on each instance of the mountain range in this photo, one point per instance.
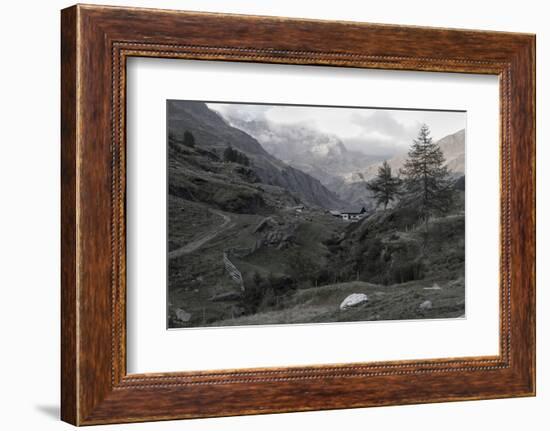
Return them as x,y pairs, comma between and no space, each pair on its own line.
326,158
215,134
323,156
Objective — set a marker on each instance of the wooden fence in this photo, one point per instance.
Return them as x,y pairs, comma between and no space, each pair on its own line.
232,270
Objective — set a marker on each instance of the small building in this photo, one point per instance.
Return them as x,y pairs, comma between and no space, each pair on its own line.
298,208
353,215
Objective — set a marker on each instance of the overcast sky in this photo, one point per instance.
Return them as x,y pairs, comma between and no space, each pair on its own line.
371,131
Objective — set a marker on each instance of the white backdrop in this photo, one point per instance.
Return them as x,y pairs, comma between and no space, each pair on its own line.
29,220
151,348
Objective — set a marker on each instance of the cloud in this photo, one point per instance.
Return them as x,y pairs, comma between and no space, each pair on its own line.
382,122
374,146
244,112
382,132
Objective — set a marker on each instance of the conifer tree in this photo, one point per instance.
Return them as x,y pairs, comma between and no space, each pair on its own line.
188,139
427,183
385,186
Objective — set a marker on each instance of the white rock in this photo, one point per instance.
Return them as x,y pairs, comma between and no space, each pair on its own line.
183,315
426,305
353,300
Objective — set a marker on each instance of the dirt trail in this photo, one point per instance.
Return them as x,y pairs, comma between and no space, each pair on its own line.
198,243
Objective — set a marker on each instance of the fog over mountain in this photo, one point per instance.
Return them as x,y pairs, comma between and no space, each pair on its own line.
343,147
323,156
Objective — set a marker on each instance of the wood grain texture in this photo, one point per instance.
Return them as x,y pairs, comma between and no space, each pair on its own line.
96,41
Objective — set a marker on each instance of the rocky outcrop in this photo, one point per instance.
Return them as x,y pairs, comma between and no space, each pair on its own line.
278,234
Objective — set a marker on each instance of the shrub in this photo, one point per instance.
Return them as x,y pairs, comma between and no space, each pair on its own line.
302,268
406,271
253,294
235,156
262,293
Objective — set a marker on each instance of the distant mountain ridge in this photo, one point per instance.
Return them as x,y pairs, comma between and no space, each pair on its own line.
454,150
353,189
453,147
326,158
321,155
213,132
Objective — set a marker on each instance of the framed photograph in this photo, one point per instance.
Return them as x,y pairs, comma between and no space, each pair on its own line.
265,215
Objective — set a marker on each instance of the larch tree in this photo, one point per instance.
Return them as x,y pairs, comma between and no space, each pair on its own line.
427,182
385,186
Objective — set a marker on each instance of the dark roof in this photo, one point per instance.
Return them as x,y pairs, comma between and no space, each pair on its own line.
361,211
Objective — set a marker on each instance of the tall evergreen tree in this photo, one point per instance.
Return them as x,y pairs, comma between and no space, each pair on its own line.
188,139
385,186
428,186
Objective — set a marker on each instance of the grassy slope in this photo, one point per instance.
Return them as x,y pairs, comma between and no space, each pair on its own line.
397,302
314,227
200,182
198,219
442,257
392,246
443,260
199,276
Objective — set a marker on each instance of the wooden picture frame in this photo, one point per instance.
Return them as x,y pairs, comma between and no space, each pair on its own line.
95,43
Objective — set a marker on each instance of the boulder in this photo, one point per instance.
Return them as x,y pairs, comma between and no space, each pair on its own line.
426,305
183,315
353,300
